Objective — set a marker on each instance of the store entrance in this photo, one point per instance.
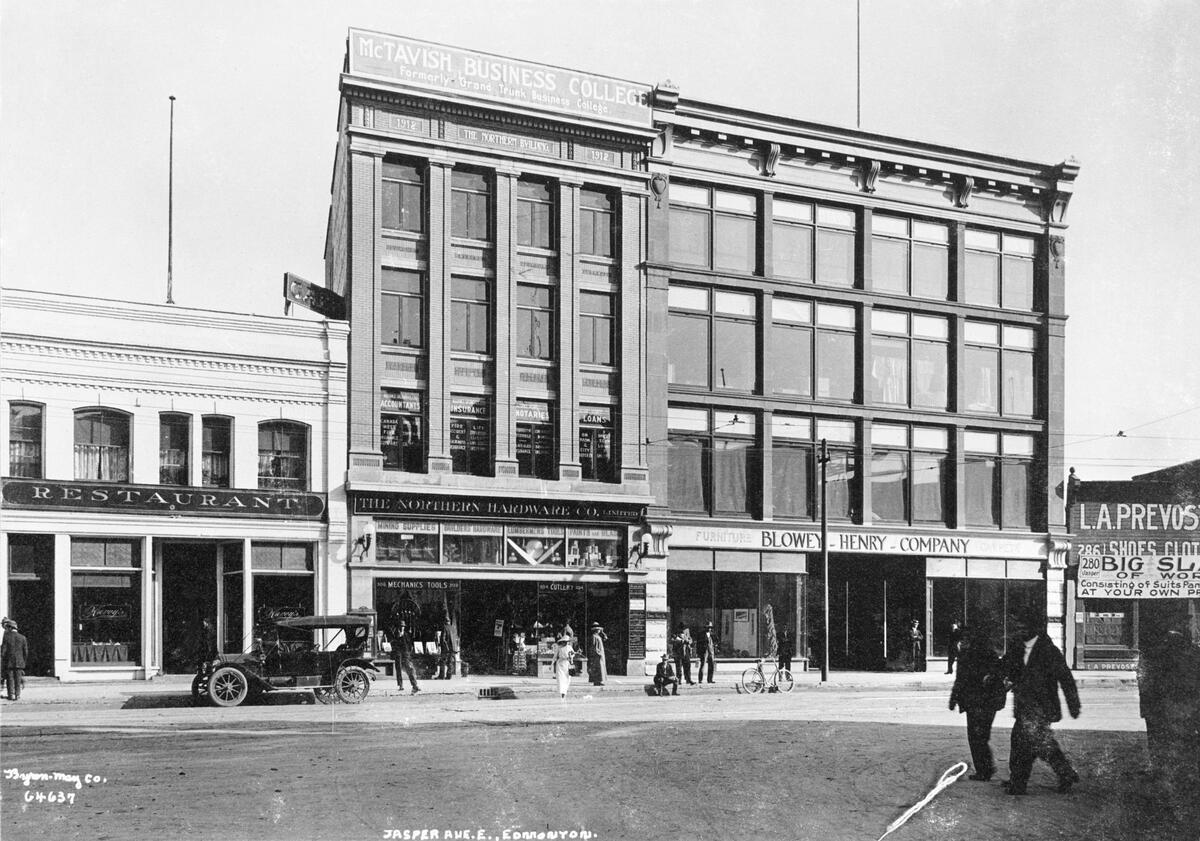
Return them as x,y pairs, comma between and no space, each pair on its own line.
31,597
189,605
872,602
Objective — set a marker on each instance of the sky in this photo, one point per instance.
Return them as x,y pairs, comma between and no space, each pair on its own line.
85,127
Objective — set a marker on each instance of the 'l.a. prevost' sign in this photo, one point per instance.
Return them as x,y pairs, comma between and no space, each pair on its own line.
450,70
806,540
162,499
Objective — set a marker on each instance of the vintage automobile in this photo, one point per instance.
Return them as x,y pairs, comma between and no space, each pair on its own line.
286,658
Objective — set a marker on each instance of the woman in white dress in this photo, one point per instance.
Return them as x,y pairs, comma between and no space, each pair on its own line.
564,658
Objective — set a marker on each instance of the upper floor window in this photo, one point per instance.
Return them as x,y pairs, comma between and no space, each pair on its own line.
595,223
25,440
792,463
401,423
403,197
471,314
470,213
998,473
102,445
536,454
471,435
909,359
596,328
795,226
596,444
999,365
216,458
812,344
999,270
535,321
909,257
909,473
283,455
712,463
174,448
535,214
711,339
713,229
403,307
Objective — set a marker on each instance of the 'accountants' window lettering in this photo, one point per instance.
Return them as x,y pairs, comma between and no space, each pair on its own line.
154,499
492,507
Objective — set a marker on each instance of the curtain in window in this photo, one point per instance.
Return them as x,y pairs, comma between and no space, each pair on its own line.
889,486
981,380
1014,501
790,470
731,464
889,371
840,476
686,483
101,462
929,375
928,488
980,481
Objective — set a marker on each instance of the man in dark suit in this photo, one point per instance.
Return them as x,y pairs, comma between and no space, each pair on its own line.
664,676
1034,669
706,648
13,651
448,648
402,654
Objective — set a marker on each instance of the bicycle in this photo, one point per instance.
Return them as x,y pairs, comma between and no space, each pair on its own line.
755,680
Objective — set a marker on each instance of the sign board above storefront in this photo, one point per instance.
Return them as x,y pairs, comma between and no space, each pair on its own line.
856,542
490,507
474,75
162,499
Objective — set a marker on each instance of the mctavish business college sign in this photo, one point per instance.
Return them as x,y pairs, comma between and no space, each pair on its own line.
162,499
449,70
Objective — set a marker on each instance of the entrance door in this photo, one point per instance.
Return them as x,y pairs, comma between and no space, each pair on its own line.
872,600
189,605
31,596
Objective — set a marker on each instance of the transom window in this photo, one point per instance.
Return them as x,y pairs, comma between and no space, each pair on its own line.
102,445
795,226
595,223
910,257
999,270
909,473
403,197
174,446
535,214
812,344
535,321
909,359
403,308
711,339
713,229
999,367
283,455
471,202
712,463
25,440
998,470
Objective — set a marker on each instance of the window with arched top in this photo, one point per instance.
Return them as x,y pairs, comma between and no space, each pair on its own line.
174,448
102,445
283,455
25,422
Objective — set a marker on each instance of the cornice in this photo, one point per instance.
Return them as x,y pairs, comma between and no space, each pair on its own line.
106,387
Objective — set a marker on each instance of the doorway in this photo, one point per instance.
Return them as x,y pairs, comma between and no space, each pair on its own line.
31,597
872,601
189,605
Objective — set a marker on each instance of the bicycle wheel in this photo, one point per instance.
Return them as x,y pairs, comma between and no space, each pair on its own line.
753,680
784,680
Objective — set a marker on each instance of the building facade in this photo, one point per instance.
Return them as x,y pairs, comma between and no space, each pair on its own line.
173,480
599,330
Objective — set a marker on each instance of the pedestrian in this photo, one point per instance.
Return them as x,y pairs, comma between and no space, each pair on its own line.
664,676
1034,669
915,644
957,634
706,647
402,654
13,651
597,668
564,658
786,649
1169,700
447,648
979,692
681,652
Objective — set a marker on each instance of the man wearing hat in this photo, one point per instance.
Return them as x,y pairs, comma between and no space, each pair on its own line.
597,668
664,676
706,647
402,654
13,651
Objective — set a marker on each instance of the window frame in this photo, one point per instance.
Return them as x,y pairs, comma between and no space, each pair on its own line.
1008,251
912,240
714,214
402,300
591,318
532,226
406,456
466,311
1006,352
466,228
1006,452
589,214
465,412
714,318
912,338
539,415
916,446
170,423
273,480
103,414
595,422
525,343
394,181
18,441
206,424
706,430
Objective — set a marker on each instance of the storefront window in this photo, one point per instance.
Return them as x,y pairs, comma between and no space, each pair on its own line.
536,545
106,598
991,606
283,582
1108,622
424,606
472,544
402,542
233,576
750,611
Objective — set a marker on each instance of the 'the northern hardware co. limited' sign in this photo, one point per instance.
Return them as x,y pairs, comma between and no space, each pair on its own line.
451,70
162,499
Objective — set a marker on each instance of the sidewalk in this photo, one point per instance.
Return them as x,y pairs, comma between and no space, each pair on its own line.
48,690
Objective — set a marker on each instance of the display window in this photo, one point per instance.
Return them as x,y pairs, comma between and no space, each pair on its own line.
751,612
475,544
106,599
992,606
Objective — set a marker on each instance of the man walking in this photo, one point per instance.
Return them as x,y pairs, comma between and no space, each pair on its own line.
402,654
1034,669
706,647
13,651
448,648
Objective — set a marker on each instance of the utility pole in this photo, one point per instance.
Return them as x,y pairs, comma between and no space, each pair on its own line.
170,202
823,460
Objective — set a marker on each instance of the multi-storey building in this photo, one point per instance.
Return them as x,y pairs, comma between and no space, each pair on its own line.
599,330
173,480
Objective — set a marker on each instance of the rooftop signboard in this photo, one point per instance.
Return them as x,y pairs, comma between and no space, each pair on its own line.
474,75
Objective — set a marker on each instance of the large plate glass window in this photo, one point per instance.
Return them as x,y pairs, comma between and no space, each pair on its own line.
909,359
999,270
476,544
283,582
406,542
106,599
401,425
711,339
403,197
403,308
713,228
174,448
25,440
471,435
101,445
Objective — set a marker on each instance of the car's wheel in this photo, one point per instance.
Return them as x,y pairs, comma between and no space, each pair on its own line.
227,687
199,689
752,681
352,684
325,695
784,680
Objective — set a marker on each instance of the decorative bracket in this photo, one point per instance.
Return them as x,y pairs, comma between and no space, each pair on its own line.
1058,553
1058,251
771,159
964,186
658,186
870,174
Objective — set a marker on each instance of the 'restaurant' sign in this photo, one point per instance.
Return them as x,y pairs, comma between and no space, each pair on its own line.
467,73
162,499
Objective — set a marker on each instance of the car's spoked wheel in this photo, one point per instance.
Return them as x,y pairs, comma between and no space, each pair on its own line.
227,687
199,689
326,695
352,684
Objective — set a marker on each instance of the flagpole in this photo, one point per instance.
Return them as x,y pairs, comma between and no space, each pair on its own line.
858,62
171,203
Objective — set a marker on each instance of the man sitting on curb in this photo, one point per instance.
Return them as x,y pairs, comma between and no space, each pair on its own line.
664,676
